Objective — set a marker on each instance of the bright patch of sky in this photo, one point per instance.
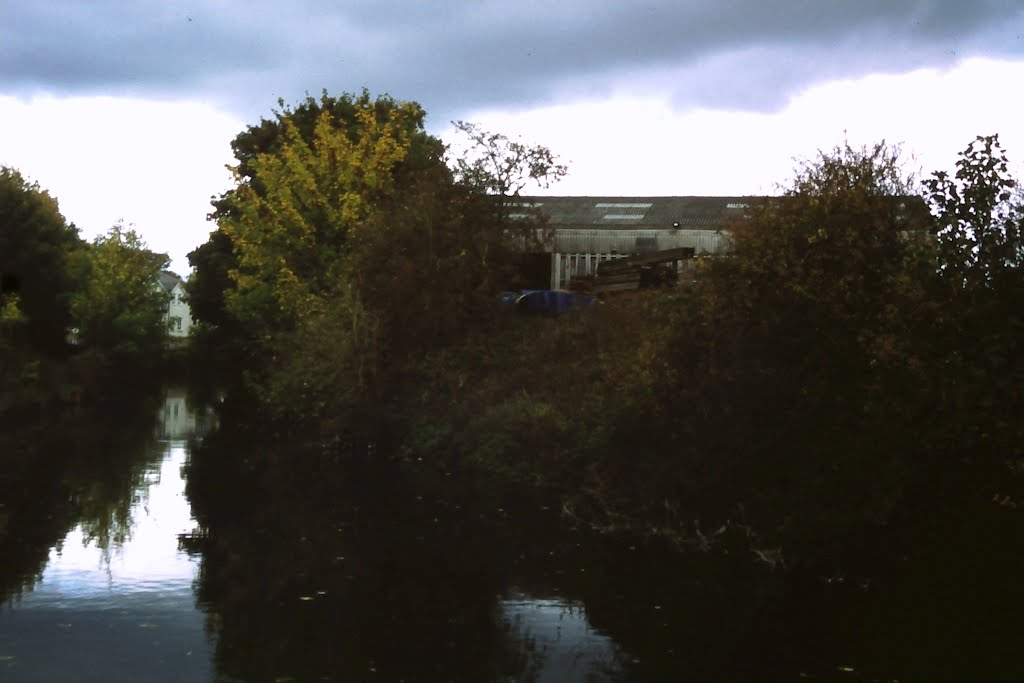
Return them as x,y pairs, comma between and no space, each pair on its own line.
632,145
152,164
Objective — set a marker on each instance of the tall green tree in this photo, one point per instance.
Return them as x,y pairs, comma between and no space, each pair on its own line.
212,263
120,305
348,247
297,212
980,229
980,214
216,262
780,406
494,164
36,244
315,187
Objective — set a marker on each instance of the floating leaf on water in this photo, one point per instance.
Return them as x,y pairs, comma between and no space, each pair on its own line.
845,669
321,592
305,598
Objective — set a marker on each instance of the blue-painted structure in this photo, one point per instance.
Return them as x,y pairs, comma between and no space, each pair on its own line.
553,301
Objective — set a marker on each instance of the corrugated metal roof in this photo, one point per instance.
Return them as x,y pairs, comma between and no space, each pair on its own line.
660,213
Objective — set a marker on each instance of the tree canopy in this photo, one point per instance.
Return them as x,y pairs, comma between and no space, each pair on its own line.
120,305
347,240
36,244
294,221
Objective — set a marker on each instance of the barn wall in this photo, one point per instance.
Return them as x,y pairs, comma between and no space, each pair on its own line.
575,241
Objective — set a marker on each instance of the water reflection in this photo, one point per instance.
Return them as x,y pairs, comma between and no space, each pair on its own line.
374,575
302,568
177,420
553,641
114,598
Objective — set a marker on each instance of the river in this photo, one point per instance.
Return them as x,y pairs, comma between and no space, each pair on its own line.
118,605
151,545
116,599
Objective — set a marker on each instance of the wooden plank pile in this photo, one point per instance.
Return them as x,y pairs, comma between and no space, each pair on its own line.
653,269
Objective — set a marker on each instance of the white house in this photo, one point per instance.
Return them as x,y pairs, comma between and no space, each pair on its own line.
178,316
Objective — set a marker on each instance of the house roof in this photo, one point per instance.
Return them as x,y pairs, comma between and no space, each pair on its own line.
645,213
168,280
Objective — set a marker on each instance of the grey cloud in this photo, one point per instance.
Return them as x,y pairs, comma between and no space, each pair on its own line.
459,55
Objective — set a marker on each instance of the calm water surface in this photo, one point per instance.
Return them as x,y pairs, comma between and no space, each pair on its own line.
116,599
120,608
144,545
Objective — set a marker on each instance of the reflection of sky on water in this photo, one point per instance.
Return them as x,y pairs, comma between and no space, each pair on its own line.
557,642
148,560
126,613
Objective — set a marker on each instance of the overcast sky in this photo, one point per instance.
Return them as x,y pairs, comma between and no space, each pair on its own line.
125,110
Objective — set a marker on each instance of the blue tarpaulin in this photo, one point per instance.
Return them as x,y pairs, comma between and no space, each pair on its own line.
553,301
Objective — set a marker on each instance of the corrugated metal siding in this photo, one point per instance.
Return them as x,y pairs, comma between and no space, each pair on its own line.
589,229
573,241
634,225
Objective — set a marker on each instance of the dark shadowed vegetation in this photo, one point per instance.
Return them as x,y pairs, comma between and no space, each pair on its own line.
838,384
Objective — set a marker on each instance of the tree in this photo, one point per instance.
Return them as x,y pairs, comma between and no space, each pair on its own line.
306,236
980,215
36,244
296,213
120,306
494,164
785,396
211,264
348,248
980,229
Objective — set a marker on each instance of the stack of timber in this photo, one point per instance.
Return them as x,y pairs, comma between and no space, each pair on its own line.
653,269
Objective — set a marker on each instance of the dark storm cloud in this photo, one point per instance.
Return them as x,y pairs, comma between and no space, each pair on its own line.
456,55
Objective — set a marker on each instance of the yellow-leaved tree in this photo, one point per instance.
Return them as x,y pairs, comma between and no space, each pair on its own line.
295,219
349,248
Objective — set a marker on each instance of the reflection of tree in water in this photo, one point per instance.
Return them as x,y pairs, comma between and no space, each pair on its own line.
350,577
86,468
306,573
306,582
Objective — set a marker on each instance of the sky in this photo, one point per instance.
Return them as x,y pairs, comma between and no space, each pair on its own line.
124,110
